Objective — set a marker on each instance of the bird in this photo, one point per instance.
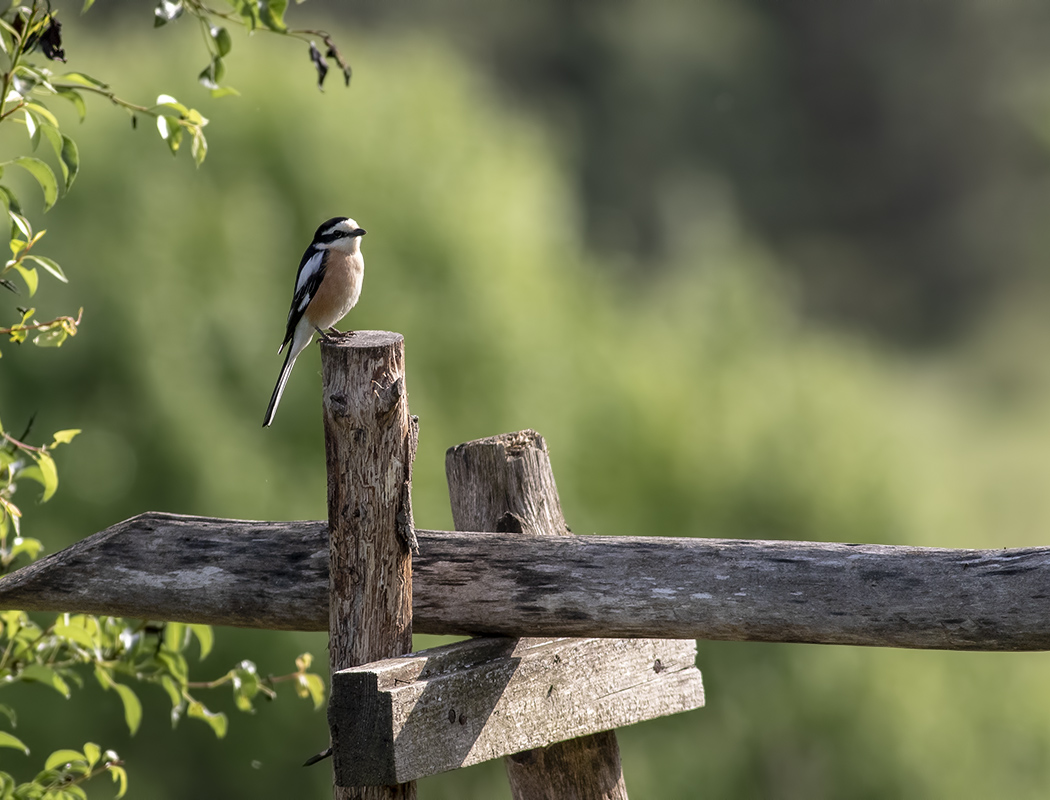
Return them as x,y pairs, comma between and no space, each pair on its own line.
327,286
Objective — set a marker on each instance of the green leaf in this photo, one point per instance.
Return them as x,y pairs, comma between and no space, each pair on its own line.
46,676
132,706
21,223
249,11
211,75
9,511
75,634
175,636
8,198
50,265
29,276
217,720
9,712
221,37
49,473
43,174
83,80
34,130
172,688
199,145
312,686
205,638
61,758
64,436
13,621
30,547
70,160
8,740
225,91
41,111
168,100
121,777
67,152
92,752
54,336
170,131
271,13
74,97
104,679
87,5
175,664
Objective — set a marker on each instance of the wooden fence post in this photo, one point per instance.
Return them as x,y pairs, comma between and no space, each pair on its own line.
505,483
369,446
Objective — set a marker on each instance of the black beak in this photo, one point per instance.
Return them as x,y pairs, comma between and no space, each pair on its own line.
359,232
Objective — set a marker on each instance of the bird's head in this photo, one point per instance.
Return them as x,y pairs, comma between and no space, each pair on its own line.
339,233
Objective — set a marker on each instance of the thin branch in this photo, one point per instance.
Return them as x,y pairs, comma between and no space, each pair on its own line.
21,445
40,325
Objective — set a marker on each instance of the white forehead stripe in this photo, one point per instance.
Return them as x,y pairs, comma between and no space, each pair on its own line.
342,226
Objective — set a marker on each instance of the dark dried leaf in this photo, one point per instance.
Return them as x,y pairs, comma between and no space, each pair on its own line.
320,63
51,41
347,72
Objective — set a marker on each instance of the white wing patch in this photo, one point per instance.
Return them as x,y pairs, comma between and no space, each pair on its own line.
308,271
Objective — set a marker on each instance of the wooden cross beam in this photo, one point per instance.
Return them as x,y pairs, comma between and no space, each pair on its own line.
274,575
435,710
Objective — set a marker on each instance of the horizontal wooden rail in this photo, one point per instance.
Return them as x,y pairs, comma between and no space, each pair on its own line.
275,575
407,718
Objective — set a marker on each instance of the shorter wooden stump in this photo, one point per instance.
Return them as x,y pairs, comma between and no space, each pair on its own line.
405,718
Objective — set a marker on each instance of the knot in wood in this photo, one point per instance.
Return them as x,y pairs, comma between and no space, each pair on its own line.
510,523
338,405
387,397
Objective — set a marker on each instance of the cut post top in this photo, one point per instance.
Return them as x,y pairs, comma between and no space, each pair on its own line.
362,339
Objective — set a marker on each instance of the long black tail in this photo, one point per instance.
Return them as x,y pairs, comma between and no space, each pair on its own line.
278,390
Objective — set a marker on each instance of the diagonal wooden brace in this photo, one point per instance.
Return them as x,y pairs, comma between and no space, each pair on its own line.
407,718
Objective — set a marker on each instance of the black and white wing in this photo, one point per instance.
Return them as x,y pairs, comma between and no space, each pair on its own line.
307,279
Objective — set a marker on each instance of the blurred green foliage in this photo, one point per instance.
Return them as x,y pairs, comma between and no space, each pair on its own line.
695,404
887,151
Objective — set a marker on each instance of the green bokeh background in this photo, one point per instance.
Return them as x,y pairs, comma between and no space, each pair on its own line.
697,402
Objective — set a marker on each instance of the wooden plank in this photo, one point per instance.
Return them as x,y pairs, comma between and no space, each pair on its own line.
275,575
369,447
486,698
506,483
188,569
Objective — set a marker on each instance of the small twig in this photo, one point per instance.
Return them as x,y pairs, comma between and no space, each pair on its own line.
22,445
38,325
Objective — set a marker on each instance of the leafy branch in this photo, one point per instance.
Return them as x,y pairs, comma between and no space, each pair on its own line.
63,772
266,15
116,652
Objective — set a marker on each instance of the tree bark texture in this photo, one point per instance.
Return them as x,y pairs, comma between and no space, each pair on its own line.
505,483
274,575
369,447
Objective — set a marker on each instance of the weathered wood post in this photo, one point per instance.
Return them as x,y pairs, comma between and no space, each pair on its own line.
370,441
505,483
